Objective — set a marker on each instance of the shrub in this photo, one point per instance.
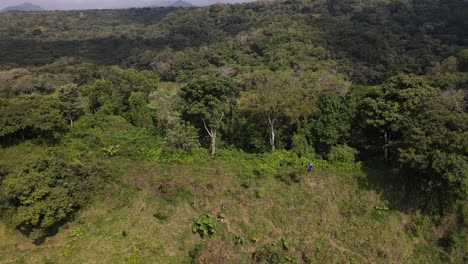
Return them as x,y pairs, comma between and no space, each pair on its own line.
182,136
300,146
259,193
275,252
204,225
342,153
196,252
161,216
77,232
46,192
111,151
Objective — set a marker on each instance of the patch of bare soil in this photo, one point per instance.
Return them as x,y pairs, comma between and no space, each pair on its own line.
214,252
245,214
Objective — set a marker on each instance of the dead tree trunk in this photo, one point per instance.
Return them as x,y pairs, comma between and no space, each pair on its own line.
212,133
213,143
271,121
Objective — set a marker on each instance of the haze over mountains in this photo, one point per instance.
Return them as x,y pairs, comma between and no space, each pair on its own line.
27,7
104,4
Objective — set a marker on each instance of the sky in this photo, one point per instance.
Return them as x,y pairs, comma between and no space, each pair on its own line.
99,4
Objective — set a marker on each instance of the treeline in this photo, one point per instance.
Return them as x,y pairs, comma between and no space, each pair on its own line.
415,123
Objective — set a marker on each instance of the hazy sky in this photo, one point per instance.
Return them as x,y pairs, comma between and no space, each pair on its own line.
87,4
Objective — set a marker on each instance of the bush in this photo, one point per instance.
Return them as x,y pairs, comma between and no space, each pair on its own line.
114,136
301,147
195,252
275,252
204,225
342,153
182,136
46,192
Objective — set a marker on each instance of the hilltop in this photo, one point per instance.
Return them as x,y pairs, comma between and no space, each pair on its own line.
181,4
25,7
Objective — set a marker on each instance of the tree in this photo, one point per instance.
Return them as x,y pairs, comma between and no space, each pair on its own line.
45,192
332,122
165,104
273,95
208,100
402,94
139,111
182,135
30,117
432,152
71,104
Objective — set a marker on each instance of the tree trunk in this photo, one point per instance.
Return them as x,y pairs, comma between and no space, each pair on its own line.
213,143
271,121
387,138
385,146
212,133
272,138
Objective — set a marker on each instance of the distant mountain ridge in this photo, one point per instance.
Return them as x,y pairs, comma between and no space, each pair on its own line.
181,3
25,7
177,3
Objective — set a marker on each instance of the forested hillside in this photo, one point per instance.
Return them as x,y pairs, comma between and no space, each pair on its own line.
181,135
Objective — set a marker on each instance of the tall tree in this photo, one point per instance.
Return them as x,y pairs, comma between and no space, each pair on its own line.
208,100
402,94
71,104
332,121
275,95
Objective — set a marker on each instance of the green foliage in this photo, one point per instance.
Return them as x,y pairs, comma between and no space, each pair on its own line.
195,252
280,71
139,111
259,193
161,216
424,137
71,103
240,240
115,136
221,217
331,124
111,151
30,117
342,153
300,146
77,232
207,101
382,207
205,225
182,136
272,101
46,192
275,252
67,251
111,90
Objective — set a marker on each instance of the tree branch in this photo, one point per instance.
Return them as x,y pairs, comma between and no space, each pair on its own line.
206,128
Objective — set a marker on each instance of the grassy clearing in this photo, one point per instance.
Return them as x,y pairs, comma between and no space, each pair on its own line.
330,215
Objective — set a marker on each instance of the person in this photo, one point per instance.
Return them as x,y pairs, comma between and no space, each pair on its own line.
310,167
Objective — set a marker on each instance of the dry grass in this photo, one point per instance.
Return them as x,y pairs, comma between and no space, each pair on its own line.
327,217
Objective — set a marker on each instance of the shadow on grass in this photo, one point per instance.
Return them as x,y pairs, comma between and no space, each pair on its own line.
388,183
